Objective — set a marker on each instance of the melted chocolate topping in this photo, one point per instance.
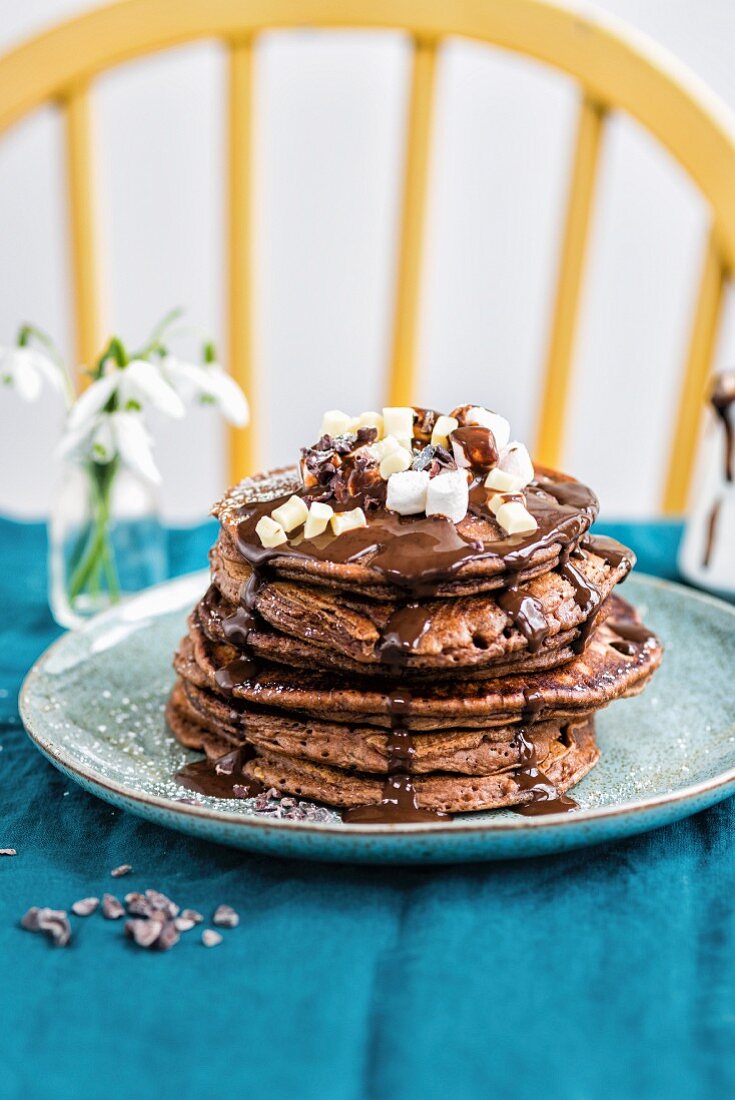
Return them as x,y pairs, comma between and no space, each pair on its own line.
406,626
221,778
545,798
630,631
527,614
533,703
399,801
478,446
236,672
418,553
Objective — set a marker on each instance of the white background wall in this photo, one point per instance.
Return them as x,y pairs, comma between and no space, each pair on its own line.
329,125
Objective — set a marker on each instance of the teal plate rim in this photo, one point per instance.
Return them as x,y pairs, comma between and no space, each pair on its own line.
555,832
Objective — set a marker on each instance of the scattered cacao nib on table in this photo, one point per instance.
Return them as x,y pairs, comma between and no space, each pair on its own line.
123,869
155,921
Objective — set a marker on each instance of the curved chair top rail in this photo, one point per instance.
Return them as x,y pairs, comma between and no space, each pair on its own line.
616,68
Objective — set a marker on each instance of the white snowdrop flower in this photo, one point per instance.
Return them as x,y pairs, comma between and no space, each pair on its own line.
25,369
210,384
136,386
113,435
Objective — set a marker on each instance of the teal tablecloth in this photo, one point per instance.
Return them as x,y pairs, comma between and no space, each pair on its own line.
603,973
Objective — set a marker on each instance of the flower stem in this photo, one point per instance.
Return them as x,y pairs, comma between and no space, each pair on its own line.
99,555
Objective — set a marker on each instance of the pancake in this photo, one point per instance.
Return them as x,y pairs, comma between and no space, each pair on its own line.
351,746
478,632
566,765
611,667
414,553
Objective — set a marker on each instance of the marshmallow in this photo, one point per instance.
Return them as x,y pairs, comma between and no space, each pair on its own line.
503,482
348,521
515,519
398,421
335,422
318,519
394,463
448,495
516,461
407,492
291,514
497,424
442,427
382,447
371,420
269,532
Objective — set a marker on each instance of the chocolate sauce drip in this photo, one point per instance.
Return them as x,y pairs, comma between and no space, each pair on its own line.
712,523
478,445
527,615
545,798
586,596
235,673
614,553
399,801
533,704
630,631
221,778
626,648
238,626
405,628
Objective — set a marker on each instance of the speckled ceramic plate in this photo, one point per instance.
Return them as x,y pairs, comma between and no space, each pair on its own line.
93,704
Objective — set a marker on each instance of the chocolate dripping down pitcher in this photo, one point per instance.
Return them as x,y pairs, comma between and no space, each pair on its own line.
707,554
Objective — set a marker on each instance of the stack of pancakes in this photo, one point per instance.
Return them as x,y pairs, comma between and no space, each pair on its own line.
413,667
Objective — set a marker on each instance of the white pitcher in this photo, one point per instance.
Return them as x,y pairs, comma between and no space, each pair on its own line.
707,554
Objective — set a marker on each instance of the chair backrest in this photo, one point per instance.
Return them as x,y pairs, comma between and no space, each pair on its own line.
616,69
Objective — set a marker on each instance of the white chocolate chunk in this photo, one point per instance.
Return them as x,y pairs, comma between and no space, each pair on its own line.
371,420
398,421
497,501
291,514
335,422
383,447
348,521
497,424
407,492
394,463
448,495
516,461
442,427
318,519
515,519
503,482
269,532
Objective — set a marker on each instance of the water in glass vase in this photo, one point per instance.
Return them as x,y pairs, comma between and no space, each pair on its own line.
106,540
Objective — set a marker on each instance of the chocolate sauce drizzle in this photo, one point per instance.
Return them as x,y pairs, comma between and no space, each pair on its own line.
403,631
221,778
545,798
399,800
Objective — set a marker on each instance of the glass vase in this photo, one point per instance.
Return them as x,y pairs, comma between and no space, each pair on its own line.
106,540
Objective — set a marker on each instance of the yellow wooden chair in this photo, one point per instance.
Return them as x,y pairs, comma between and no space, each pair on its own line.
616,69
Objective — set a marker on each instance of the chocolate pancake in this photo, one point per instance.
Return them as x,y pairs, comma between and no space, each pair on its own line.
199,718
416,554
568,761
619,660
471,632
